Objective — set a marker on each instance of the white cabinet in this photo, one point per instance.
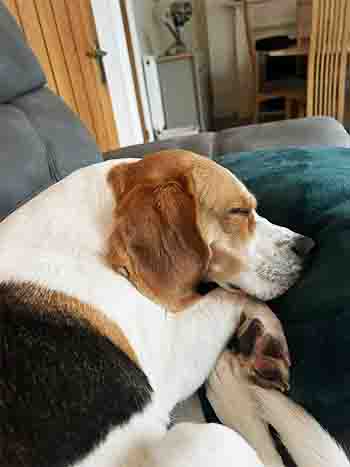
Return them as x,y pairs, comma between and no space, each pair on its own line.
178,94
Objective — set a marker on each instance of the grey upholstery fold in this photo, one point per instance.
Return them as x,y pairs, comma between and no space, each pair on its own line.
20,71
68,144
23,164
41,140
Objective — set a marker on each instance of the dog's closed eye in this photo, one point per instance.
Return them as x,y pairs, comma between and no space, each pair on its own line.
239,211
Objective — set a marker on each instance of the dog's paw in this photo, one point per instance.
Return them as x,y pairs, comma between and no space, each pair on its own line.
261,348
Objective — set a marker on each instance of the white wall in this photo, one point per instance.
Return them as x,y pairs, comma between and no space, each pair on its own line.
155,37
144,24
220,42
222,53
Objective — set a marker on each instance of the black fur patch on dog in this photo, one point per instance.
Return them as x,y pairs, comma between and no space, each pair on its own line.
63,386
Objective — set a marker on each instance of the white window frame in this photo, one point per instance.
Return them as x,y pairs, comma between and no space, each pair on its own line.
130,5
111,36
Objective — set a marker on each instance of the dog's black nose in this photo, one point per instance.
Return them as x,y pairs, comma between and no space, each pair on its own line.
302,246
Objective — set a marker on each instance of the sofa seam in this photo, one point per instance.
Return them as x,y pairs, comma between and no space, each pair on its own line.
54,173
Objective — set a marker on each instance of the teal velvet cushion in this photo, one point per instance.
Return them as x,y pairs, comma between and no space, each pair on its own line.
308,190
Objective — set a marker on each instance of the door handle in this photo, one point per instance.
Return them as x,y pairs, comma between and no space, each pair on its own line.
98,54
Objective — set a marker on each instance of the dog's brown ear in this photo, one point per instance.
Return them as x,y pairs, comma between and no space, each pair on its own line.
120,177
156,240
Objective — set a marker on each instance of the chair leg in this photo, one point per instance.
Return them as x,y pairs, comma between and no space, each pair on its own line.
301,110
289,108
256,112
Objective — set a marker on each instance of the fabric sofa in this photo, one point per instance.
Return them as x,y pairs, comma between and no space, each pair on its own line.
41,140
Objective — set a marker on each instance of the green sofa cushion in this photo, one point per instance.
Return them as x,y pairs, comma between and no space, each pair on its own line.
308,190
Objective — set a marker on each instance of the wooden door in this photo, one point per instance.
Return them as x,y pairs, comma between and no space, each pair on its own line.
63,36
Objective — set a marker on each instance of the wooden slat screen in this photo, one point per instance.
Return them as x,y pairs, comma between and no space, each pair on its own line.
328,58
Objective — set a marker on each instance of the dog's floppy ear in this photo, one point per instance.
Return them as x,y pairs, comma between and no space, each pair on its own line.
156,240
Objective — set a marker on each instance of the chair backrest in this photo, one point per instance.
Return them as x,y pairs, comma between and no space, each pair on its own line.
304,17
328,54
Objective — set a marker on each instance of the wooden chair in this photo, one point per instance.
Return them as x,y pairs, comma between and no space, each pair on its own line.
304,19
327,59
292,91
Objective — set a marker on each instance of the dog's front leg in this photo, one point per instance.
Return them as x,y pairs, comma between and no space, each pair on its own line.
260,356
228,391
199,334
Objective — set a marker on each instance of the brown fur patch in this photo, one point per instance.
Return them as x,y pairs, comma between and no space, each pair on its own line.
172,207
157,241
39,297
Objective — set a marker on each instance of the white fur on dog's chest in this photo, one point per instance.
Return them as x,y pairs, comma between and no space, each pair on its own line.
58,240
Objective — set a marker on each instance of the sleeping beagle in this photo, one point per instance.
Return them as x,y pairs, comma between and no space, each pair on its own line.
104,331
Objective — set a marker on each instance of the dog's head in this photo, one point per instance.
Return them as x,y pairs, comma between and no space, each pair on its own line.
182,219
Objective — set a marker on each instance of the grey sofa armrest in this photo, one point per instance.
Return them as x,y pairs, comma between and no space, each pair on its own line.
316,131
203,143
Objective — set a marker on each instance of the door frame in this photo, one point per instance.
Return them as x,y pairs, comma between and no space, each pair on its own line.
111,35
137,64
